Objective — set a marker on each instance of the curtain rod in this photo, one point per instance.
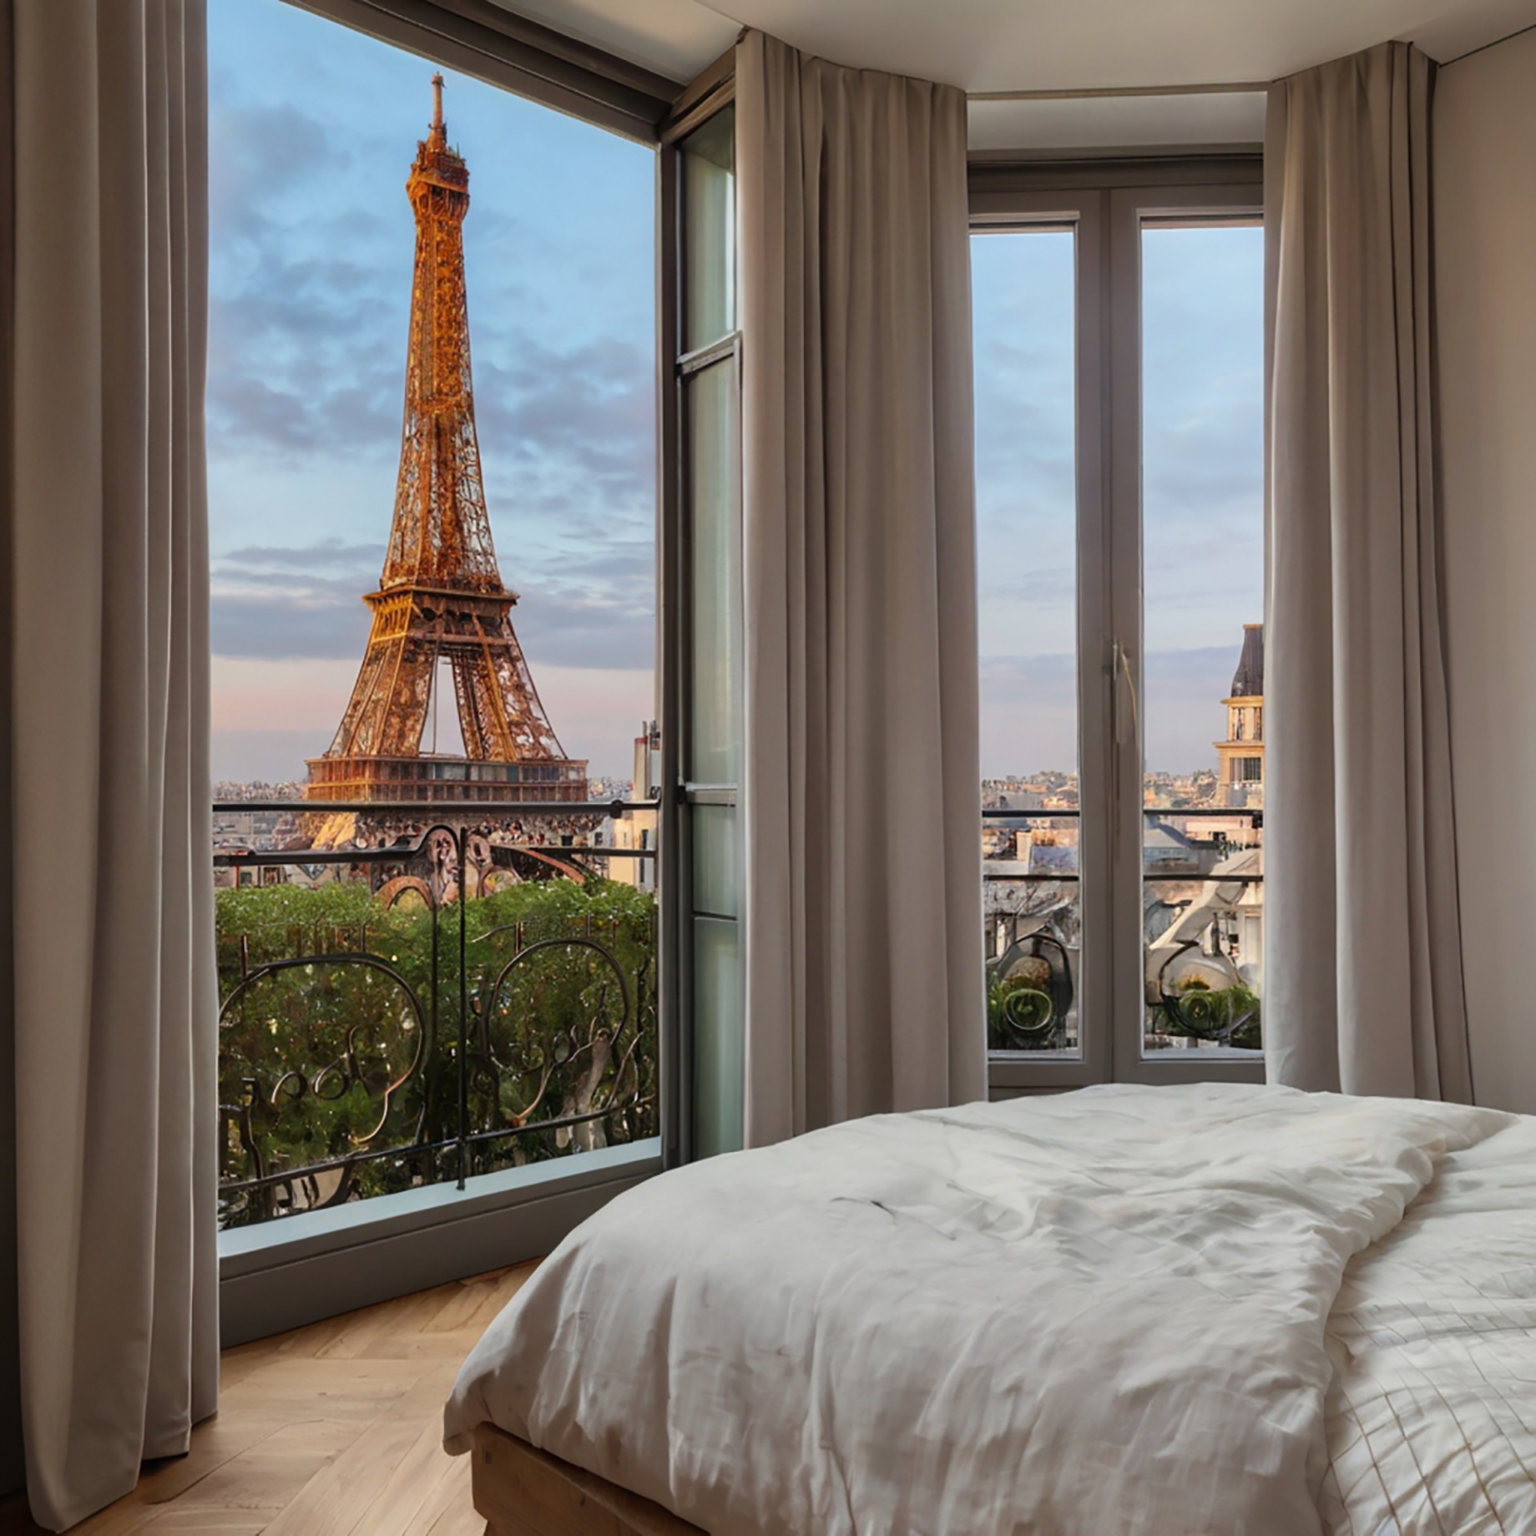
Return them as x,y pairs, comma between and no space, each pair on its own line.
1230,88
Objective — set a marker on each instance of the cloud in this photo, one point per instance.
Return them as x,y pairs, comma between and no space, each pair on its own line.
282,626
305,347
1054,584
259,150
588,412
281,602
568,629
326,552
1203,401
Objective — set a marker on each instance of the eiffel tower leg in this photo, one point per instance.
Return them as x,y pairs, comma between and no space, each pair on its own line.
389,703
480,740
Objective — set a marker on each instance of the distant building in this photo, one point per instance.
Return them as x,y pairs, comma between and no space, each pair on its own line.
1240,758
636,829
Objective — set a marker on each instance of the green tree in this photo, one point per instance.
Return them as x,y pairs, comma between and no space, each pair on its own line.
340,1061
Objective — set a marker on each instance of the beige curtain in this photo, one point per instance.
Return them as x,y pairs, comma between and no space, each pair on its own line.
112,901
1363,970
861,784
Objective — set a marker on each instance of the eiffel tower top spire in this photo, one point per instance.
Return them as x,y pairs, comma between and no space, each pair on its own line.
440,597
441,534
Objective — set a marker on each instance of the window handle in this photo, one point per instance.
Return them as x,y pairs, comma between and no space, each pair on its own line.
1122,666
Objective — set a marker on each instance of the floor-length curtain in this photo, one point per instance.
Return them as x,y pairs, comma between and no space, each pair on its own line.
861,786
1363,969
112,910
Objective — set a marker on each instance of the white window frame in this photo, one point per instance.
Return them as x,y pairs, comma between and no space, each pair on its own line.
1106,203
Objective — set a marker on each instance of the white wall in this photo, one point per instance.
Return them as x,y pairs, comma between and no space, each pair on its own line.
1485,250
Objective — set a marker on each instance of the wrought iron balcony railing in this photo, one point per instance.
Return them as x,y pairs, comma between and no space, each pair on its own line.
456,991
1202,882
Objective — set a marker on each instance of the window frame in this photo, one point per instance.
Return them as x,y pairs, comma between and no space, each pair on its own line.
1086,212
1107,202
684,1133
525,57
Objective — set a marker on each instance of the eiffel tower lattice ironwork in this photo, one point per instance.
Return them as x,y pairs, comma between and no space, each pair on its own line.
441,606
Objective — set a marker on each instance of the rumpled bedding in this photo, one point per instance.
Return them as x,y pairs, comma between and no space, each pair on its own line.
1431,1416
1087,1314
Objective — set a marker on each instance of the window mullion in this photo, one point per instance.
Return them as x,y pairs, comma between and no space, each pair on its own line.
1126,686
1095,637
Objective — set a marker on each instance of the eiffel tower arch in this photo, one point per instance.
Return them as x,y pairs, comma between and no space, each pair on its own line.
440,604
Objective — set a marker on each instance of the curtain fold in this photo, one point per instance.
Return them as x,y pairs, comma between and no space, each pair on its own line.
1363,970
115,999
862,783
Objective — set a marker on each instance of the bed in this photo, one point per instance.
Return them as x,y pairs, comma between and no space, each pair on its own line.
1207,1310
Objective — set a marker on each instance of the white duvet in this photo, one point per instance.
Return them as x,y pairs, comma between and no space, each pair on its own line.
1096,1313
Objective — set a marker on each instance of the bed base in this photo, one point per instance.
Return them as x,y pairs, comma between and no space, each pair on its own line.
523,1491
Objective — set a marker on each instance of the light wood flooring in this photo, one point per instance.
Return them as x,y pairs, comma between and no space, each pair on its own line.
331,1430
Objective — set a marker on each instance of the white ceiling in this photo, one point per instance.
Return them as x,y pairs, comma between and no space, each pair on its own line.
1052,45
1031,45
673,37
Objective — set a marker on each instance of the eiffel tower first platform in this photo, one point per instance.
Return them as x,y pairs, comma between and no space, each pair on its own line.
441,606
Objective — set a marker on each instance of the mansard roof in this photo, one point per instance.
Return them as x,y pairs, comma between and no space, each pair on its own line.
1248,680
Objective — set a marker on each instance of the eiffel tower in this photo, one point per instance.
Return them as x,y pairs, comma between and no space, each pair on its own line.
441,607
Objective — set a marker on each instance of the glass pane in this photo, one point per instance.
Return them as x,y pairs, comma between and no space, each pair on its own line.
715,888
1203,606
718,1042
716,538
709,231
1023,287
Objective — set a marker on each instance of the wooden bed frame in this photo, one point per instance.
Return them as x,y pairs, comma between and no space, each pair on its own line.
523,1491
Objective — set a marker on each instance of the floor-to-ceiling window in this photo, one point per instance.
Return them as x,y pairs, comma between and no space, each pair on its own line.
1202,627
1118,319
431,429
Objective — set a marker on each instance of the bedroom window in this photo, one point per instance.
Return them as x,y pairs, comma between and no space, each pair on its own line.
1118,317
436,836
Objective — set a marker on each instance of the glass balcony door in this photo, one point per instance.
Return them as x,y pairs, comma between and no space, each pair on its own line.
1202,624
1187,579
703,633
1118,340
1043,589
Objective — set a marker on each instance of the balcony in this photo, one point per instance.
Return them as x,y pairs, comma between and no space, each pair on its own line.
457,991
1202,920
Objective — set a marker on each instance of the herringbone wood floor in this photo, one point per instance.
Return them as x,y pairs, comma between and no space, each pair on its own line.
332,1430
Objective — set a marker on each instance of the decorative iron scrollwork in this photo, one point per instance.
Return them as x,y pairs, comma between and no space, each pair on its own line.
1204,997
1029,994
350,1071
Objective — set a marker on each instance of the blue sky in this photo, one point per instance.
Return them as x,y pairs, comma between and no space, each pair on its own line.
313,129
